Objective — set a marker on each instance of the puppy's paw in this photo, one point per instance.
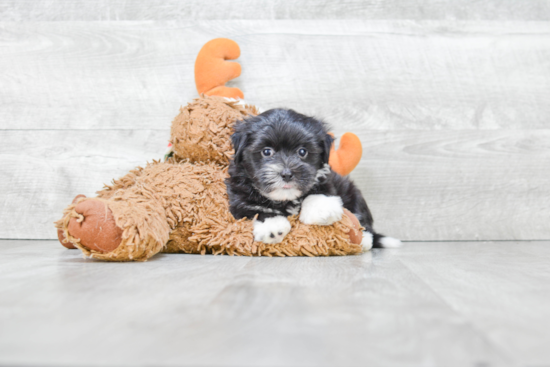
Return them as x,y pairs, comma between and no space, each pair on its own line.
322,210
367,241
271,230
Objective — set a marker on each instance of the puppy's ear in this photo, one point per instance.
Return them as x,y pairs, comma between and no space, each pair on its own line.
326,148
239,139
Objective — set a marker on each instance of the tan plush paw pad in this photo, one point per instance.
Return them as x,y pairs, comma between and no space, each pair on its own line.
61,235
97,229
355,234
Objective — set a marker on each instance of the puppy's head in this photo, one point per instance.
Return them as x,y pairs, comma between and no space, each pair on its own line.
284,153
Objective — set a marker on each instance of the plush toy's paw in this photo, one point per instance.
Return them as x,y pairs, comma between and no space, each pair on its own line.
271,230
355,233
96,228
63,240
321,210
61,235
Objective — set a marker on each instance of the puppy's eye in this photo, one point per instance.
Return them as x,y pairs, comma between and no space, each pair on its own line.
267,152
302,152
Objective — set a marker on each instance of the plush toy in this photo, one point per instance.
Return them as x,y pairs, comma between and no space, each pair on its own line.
181,204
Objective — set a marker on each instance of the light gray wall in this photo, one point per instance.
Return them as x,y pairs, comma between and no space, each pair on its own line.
450,98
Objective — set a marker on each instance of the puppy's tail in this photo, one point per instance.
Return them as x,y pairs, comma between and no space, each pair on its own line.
377,240
381,241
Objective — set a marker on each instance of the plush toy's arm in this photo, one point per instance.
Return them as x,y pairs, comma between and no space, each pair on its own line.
344,159
212,70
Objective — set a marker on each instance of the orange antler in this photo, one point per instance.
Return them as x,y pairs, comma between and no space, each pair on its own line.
348,155
212,70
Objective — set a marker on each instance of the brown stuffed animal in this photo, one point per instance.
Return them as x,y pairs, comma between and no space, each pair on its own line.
181,205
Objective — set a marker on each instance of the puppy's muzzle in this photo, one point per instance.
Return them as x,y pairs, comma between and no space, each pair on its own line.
287,175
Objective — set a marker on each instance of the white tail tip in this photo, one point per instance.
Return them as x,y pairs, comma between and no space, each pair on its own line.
390,242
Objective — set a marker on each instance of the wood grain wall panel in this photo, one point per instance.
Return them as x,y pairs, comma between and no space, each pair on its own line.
420,185
115,10
381,75
463,185
42,171
453,115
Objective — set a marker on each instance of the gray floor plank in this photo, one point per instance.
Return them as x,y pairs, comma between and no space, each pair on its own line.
501,288
379,75
330,312
372,309
437,185
69,10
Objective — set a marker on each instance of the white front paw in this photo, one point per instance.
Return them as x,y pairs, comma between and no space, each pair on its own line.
271,230
366,243
322,210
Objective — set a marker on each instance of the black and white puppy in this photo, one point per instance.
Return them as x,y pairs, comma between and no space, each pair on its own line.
280,168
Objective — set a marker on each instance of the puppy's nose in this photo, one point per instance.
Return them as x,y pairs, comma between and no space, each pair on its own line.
286,175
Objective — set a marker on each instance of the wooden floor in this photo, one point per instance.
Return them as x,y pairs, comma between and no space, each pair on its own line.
427,304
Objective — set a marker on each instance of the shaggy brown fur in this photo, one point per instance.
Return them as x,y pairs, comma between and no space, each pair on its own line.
181,205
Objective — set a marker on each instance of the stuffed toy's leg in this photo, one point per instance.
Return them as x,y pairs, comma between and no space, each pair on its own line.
132,219
93,210
137,216
131,224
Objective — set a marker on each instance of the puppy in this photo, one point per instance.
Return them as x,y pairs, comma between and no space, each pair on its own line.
280,168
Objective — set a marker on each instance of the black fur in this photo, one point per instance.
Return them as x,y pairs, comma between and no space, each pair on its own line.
254,177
